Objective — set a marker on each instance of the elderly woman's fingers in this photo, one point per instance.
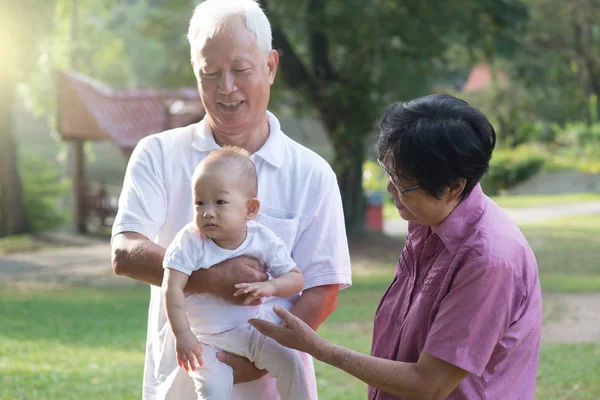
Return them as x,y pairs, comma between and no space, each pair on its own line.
267,328
287,317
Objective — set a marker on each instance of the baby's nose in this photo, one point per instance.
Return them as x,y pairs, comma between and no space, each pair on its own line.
208,214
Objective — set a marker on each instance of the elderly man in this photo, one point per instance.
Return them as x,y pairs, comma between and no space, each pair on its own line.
235,66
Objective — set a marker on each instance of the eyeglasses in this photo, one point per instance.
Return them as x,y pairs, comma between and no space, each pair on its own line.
400,191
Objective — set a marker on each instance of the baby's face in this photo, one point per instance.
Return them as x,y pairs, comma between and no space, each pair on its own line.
220,205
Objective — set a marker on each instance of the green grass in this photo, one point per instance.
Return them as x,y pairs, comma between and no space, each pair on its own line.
567,251
89,343
525,201
569,371
76,343
19,243
566,371
520,201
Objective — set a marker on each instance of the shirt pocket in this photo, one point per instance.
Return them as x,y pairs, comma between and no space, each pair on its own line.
283,223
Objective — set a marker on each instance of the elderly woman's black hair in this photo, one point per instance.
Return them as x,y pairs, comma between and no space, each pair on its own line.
436,140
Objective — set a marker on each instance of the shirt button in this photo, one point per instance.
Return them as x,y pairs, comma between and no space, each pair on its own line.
398,323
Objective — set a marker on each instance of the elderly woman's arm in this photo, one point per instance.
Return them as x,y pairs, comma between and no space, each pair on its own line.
428,378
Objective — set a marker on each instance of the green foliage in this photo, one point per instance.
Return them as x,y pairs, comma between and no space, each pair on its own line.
393,51
577,134
511,166
42,191
553,76
374,177
576,146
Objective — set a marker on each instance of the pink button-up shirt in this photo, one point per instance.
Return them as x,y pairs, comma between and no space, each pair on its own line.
468,294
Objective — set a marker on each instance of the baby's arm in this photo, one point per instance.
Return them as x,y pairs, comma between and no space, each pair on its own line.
187,344
285,285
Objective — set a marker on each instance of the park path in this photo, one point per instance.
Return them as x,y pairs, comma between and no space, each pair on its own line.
568,318
399,227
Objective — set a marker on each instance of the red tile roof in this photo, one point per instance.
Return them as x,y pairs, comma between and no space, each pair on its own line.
88,109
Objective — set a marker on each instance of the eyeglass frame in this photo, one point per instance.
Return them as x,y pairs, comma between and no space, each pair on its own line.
401,191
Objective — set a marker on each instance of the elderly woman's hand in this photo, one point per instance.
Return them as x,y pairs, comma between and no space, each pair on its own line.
293,333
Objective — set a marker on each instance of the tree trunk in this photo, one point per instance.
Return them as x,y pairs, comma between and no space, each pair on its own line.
348,165
350,181
12,214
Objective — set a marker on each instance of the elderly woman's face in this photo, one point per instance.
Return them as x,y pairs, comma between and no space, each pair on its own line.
234,79
413,202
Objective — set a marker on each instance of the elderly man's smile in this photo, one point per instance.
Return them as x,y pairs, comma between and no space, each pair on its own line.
231,106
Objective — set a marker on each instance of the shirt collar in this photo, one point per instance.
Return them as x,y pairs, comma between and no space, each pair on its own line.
271,151
454,229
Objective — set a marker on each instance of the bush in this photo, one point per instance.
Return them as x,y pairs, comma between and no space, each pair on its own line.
42,191
577,147
374,177
375,181
509,167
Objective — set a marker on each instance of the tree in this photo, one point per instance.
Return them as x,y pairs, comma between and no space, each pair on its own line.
553,75
343,60
39,36
562,49
349,59
23,22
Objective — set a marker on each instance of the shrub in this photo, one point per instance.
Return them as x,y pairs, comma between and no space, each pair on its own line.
509,167
42,191
374,177
577,147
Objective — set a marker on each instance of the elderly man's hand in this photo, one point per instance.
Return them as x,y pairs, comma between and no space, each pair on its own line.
224,276
243,369
293,332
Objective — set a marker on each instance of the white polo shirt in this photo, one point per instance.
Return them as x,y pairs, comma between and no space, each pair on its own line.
300,202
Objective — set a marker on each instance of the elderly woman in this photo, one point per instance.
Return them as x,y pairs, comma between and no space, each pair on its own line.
462,316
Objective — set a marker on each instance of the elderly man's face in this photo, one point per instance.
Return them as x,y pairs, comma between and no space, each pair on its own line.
234,79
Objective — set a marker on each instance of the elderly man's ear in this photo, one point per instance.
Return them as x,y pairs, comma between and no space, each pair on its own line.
253,207
272,63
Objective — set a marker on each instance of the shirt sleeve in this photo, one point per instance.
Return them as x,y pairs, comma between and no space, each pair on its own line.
475,314
183,254
143,200
321,251
277,259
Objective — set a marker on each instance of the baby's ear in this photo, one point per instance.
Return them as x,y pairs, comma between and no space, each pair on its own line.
253,207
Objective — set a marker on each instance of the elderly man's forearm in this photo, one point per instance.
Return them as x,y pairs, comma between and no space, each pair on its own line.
316,304
137,258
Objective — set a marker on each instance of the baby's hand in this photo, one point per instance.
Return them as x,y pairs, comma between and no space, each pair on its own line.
255,291
188,347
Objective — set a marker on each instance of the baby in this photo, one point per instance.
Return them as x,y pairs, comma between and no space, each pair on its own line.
224,189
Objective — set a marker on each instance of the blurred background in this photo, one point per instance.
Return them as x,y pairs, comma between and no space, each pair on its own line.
82,81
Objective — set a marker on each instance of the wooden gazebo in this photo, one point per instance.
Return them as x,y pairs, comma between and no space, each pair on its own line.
90,110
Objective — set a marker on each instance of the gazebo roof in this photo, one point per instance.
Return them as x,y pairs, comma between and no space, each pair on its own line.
90,110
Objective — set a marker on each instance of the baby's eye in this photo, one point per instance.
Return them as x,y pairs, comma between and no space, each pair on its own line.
221,202
199,203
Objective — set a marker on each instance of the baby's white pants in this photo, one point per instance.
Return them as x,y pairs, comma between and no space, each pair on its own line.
214,381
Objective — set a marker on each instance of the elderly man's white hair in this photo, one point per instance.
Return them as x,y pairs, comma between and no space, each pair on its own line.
210,16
